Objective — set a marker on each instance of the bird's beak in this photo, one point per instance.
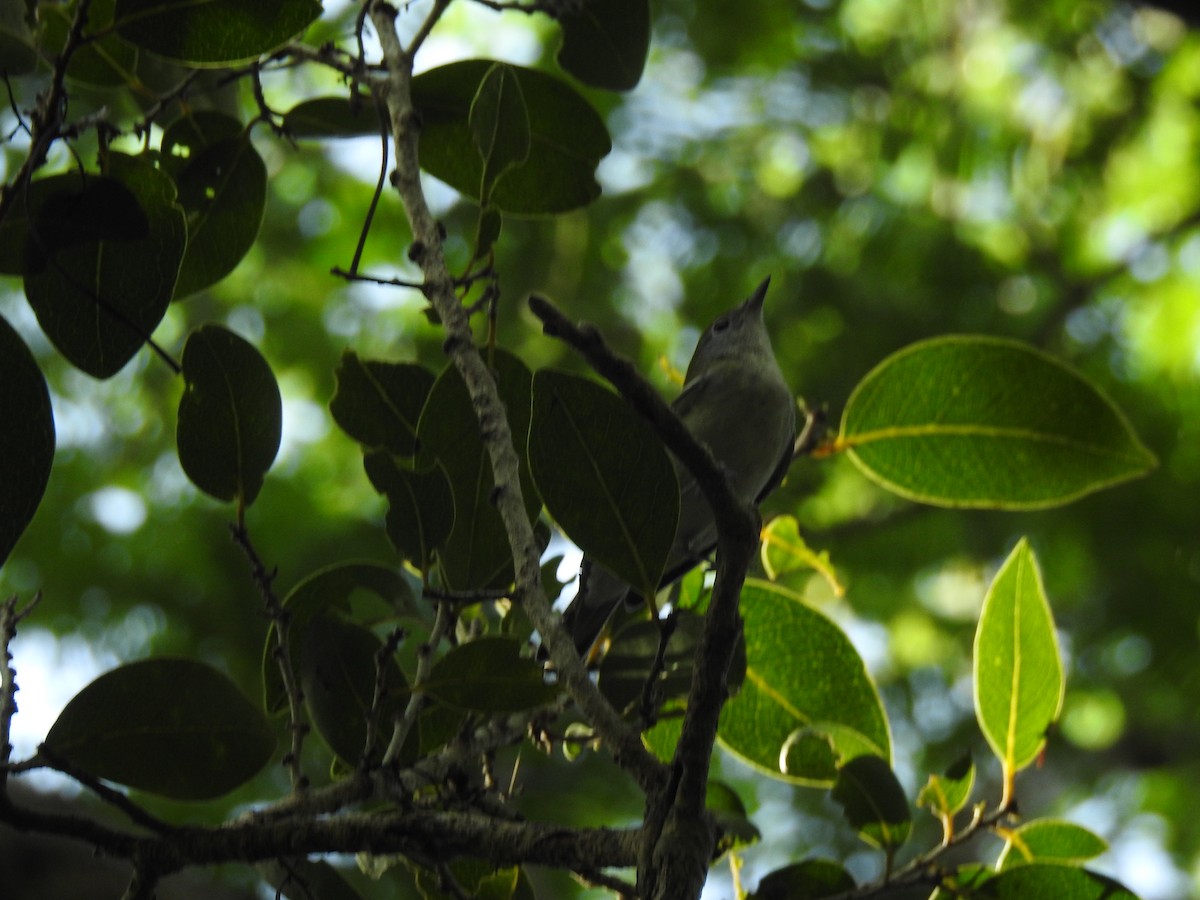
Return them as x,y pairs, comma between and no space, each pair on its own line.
760,294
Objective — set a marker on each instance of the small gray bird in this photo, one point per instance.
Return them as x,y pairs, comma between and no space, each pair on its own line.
736,401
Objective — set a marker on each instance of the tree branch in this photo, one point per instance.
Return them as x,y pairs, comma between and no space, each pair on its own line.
680,836
623,741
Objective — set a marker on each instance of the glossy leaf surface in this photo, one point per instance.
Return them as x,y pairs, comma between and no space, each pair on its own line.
801,673
984,422
1019,680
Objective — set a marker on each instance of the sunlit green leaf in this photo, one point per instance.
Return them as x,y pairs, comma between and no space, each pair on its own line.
604,475
801,672
948,793
173,727
26,437
230,415
1018,672
1050,841
977,421
1039,880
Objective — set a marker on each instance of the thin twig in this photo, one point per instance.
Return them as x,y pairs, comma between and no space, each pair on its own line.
416,701
281,618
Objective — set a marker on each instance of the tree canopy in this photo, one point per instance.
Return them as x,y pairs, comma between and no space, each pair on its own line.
289,357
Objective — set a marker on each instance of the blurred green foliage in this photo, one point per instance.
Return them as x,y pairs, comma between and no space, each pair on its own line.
902,170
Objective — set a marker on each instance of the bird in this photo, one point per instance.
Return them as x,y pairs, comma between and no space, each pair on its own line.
735,400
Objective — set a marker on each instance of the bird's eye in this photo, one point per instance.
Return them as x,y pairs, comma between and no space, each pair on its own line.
720,325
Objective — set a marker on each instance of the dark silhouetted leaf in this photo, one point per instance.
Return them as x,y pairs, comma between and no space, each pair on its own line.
222,187
379,403
212,33
489,675
333,117
605,42
230,415
874,802
477,553
604,475
98,301
499,124
337,669
173,727
567,139
26,437
329,591
420,506
806,880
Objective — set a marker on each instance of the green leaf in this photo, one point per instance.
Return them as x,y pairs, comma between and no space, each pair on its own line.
605,42
499,124
173,727
489,675
99,300
946,794
731,817
420,506
984,422
334,117
327,591
1018,673
1050,841
1039,880
801,672
784,552
477,554
567,139
379,403
604,476
185,137
223,190
67,210
213,32
874,802
337,670
230,415
806,880
26,437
